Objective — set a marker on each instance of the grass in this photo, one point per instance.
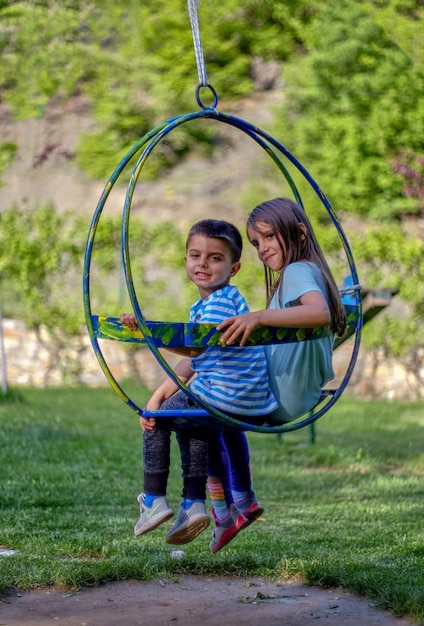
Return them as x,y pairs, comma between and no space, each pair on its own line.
347,510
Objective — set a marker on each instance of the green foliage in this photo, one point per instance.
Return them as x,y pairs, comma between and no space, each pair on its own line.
8,151
41,256
346,511
136,62
99,152
353,114
156,253
355,88
354,103
37,252
392,259
41,54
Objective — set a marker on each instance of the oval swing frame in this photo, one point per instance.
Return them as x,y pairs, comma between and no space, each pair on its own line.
208,415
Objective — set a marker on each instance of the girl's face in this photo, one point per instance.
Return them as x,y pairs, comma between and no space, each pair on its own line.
270,250
209,264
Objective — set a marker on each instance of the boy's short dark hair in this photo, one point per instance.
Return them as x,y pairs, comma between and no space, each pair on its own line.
219,229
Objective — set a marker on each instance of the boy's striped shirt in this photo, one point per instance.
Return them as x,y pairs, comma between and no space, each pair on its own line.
234,380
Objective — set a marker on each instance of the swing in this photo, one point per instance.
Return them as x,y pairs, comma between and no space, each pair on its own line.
156,335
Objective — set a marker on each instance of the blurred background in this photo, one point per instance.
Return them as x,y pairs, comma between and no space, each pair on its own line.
339,83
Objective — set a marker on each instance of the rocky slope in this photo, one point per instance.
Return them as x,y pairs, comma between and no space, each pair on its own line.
45,170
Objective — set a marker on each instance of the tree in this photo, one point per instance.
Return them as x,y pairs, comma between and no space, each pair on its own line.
38,261
411,169
392,259
354,102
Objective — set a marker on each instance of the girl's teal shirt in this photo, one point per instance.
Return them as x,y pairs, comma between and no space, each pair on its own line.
298,371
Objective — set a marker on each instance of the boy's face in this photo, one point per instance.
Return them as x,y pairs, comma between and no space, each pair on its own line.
209,264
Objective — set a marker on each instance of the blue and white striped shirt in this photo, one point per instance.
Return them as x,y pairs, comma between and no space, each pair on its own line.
234,380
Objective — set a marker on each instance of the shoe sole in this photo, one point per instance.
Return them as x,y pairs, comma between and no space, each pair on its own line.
186,534
253,515
152,524
225,541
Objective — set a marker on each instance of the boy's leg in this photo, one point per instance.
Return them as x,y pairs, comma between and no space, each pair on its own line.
194,462
156,459
192,518
154,508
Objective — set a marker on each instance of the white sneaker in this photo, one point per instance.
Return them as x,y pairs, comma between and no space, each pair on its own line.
152,517
189,524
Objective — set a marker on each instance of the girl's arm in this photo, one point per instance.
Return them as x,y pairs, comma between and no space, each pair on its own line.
312,311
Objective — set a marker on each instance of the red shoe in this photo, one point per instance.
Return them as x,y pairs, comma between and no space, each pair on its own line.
227,529
250,507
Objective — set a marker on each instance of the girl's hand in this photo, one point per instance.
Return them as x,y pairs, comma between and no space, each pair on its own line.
239,325
128,319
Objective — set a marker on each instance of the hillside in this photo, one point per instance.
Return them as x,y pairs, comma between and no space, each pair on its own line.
45,172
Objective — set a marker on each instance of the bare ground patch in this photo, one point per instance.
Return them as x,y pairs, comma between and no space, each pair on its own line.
192,601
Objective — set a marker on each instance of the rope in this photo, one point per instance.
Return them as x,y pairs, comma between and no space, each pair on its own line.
198,48
344,291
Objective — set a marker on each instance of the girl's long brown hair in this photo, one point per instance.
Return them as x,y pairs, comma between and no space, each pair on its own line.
284,218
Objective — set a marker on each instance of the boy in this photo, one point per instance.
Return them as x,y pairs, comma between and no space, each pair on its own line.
233,380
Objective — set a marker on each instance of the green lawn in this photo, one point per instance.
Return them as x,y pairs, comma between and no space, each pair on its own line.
347,510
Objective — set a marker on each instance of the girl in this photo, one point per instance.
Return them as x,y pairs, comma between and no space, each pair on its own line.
301,292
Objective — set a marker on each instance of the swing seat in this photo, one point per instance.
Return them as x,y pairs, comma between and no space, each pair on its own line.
191,335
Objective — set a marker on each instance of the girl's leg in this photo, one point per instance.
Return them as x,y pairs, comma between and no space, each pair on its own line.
237,448
229,466
219,485
229,484
240,474
229,520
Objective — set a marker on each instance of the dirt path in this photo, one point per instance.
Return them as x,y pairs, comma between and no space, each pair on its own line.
193,601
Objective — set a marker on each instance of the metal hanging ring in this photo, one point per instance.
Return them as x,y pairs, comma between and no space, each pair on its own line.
199,100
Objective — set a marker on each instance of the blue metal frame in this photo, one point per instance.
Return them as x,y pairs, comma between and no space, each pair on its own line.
208,415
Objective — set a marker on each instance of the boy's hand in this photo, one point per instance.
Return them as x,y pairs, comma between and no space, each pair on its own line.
128,319
152,405
147,424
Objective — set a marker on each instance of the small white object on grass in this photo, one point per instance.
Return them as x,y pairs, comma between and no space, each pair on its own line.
178,554
6,552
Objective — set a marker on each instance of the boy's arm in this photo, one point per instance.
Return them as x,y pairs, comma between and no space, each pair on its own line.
169,387
189,352
166,390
